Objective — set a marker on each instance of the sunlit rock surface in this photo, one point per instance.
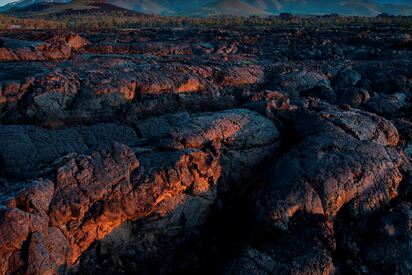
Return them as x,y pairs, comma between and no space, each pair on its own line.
206,151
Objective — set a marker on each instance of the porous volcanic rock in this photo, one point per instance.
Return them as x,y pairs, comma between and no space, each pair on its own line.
343,157
56,48
271,150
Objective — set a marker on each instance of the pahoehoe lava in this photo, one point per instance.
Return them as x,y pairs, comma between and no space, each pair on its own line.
206,151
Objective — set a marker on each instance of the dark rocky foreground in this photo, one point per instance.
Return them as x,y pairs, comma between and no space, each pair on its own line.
206,151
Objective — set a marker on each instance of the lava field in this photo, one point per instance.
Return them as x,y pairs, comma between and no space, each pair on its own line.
206,151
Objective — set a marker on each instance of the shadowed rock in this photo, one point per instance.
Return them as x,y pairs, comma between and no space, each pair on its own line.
270,150
341,159
91,196
26,150
56,48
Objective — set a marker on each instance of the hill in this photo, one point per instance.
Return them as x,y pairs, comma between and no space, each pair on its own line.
266,7
66,8
145,6
348,7
25,3
203,8
229,7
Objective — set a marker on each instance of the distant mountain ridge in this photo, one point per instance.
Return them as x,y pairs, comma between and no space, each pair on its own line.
245,7
25,3
61,7
230,7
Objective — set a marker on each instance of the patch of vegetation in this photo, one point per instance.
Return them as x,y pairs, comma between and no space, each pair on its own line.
121,19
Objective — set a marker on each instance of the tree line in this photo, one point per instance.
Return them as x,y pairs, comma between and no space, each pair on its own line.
118,19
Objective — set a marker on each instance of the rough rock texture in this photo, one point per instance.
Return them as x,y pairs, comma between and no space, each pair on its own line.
55,48
91,196
26,149
206,151
334,164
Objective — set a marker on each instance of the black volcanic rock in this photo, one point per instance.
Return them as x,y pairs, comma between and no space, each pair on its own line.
206,151
27,149
335,164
